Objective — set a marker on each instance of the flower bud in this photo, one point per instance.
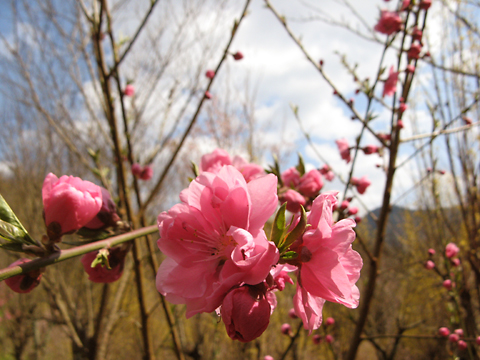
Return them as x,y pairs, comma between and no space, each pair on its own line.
425,4
129,90
101,274
453,338
107,216
23,283
448,284
329,339
451,250
477,340
317,339
467,120
210,74
462,345
293,199
329,321
410,68
353,210
292,314
358,219
238,56
208,95
429,265
431,252
370,149
310,183
246,313
69,203
268,357
455,262
147,173
286,329
459,332
136,169
443,331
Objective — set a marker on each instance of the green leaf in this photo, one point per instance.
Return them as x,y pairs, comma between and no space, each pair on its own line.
278,226
195,169
11,225
301,165
289,255
102,259
296,232
12,246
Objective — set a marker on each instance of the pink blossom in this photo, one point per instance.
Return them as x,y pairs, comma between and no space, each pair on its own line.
23,283
136,169
390,85
286,329
101,274
410,68
107,216
414,51
431,252
147,173
344,204
361,184
344,149
328,266
329,321
400,124
129,90
292,314
69,203
353,210
455,262
448,284
443,331
291,177
462,345
425,4
249,171
327,172
329,339
246,313
210,74
417,34
215,160
402,107
317,339
453,338
208,95
293,200
389,22
268,357
405,5
459,332
238,56
370,149
214,239
451,250
429,265
310,183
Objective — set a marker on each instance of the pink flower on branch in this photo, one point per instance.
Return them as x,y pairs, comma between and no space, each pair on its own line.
26,282
210,74
102,274
129,90
69,203
389,22
238,56
328,266
246,313
361,184
310,183
451,250
214,239
344,149
390,85
293,199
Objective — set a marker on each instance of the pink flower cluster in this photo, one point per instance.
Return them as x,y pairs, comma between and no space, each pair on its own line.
218,256
299,188
142,172
389,22
70,204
